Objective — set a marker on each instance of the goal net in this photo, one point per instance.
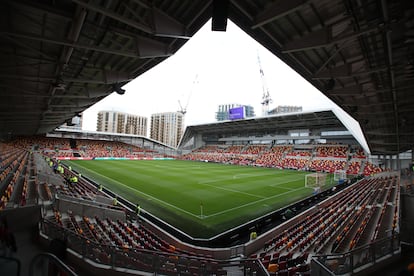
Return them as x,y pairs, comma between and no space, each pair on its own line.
315,180
339,175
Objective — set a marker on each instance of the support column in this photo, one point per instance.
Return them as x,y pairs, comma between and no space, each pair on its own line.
397,159
412,159
389,161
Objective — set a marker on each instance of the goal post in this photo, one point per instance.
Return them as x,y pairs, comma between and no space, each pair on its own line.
315,180
340,175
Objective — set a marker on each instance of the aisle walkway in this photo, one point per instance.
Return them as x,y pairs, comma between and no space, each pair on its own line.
406,234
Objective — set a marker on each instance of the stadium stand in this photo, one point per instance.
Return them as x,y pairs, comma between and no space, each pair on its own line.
361,214
318,158
68,210
60,148
337,225
61,57
370,168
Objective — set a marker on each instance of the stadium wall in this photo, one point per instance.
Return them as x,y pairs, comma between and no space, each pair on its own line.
217,253
89,210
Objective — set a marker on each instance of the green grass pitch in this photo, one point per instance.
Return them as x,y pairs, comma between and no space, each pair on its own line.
201,199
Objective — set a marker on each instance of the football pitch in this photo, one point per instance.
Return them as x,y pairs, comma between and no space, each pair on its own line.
201,199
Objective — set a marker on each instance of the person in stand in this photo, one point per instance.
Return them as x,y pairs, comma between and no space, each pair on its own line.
137,210
115,202
60,169
73,180
55,167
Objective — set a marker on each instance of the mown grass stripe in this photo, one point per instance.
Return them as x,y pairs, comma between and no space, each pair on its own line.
173,190
253,202
147,195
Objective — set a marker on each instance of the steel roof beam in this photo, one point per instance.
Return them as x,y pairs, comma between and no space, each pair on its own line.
277,10
116,16
350,90
34,50
16,64
110,78
143,3
336,51
25,57
360,90
164,25
381,133
346,71
321,38
388,49
144,46
167,26
51,10
382,142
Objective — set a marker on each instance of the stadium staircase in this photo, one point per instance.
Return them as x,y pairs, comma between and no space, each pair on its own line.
21,221
399,264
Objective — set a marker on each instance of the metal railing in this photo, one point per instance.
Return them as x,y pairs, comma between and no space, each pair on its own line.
49,264
356,260
158,262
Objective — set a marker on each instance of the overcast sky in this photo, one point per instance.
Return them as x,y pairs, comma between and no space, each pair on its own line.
227,70
227,67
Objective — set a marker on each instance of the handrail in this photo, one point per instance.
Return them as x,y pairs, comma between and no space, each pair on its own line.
51,259
321,267
394,236
373,250
115,257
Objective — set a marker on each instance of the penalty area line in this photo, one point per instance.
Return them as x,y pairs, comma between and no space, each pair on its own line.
230,190
252,203
285,182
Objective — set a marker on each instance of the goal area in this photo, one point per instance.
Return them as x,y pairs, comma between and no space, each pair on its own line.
315,180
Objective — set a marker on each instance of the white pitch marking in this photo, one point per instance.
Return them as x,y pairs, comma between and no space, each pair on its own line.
285,182
251,203
233,177
149,196
230,190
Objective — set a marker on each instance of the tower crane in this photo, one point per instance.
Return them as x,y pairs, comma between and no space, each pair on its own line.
266,99
183,109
